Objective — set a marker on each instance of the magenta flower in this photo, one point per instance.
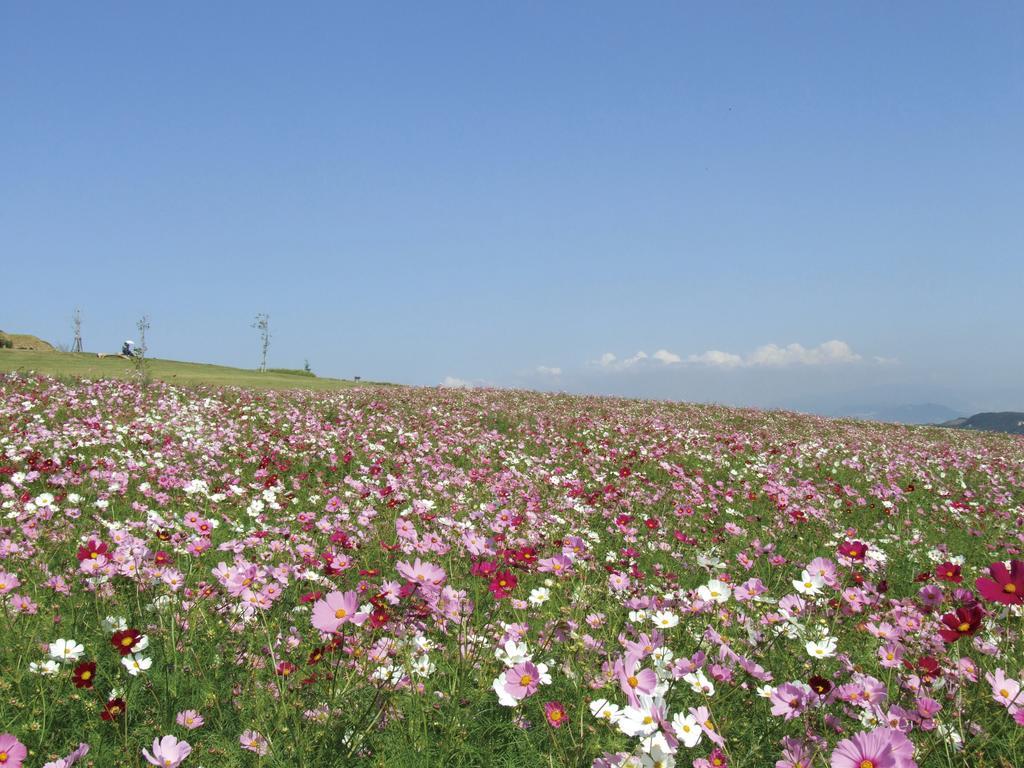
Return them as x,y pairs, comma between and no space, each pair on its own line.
190,719
880,748
168,752
12,751
554,712
1006,585
335,609
522,680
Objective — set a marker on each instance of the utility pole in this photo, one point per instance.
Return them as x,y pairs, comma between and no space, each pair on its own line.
77,319
262,324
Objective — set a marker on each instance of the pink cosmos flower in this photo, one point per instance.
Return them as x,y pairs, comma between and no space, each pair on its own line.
254,741
634,681
190,719
335,609
1005,690
70,760
427,575
522,680
8,581
12,751
168,752
880,748
788,701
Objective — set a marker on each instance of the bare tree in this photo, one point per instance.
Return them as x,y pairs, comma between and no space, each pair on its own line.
77,320
143,326
139,359
262,324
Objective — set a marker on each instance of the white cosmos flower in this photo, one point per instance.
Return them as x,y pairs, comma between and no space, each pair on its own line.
699,683
136,663
665,619
605,710
513,653
808,584
714,591
539,596
48,667
822,649
113,624
687,729
66,650
423,666
44,499
504,697
635,721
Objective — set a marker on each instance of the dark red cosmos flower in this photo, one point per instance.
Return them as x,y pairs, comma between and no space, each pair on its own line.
113,709
84,674
285,668
483,568
92,550
1006,585
316,655
949,572
502,584
311,597
820,685
926,668
963,623
379,618
853,549
162,558
125,640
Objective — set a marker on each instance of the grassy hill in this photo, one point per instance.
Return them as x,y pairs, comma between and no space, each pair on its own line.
26,341
87,365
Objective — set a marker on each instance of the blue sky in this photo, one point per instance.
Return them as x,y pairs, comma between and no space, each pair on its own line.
493,192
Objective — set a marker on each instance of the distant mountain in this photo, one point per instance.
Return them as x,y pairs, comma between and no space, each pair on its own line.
1003,421
918,413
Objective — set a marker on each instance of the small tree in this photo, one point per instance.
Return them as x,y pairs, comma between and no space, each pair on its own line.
262,324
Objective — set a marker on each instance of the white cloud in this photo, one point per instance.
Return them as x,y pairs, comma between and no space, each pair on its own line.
832,352
796,354
717,358
452,382
772,355
545,370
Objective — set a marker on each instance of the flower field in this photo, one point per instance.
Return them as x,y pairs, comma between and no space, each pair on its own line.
419,577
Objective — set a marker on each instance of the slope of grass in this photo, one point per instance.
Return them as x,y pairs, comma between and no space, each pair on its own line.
27,341
87,365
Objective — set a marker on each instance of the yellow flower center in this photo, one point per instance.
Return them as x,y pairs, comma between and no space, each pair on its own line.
633,682
86,674
866,764
126,641
1010,588
1004,693
964,627
556,715
525,680
341,613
